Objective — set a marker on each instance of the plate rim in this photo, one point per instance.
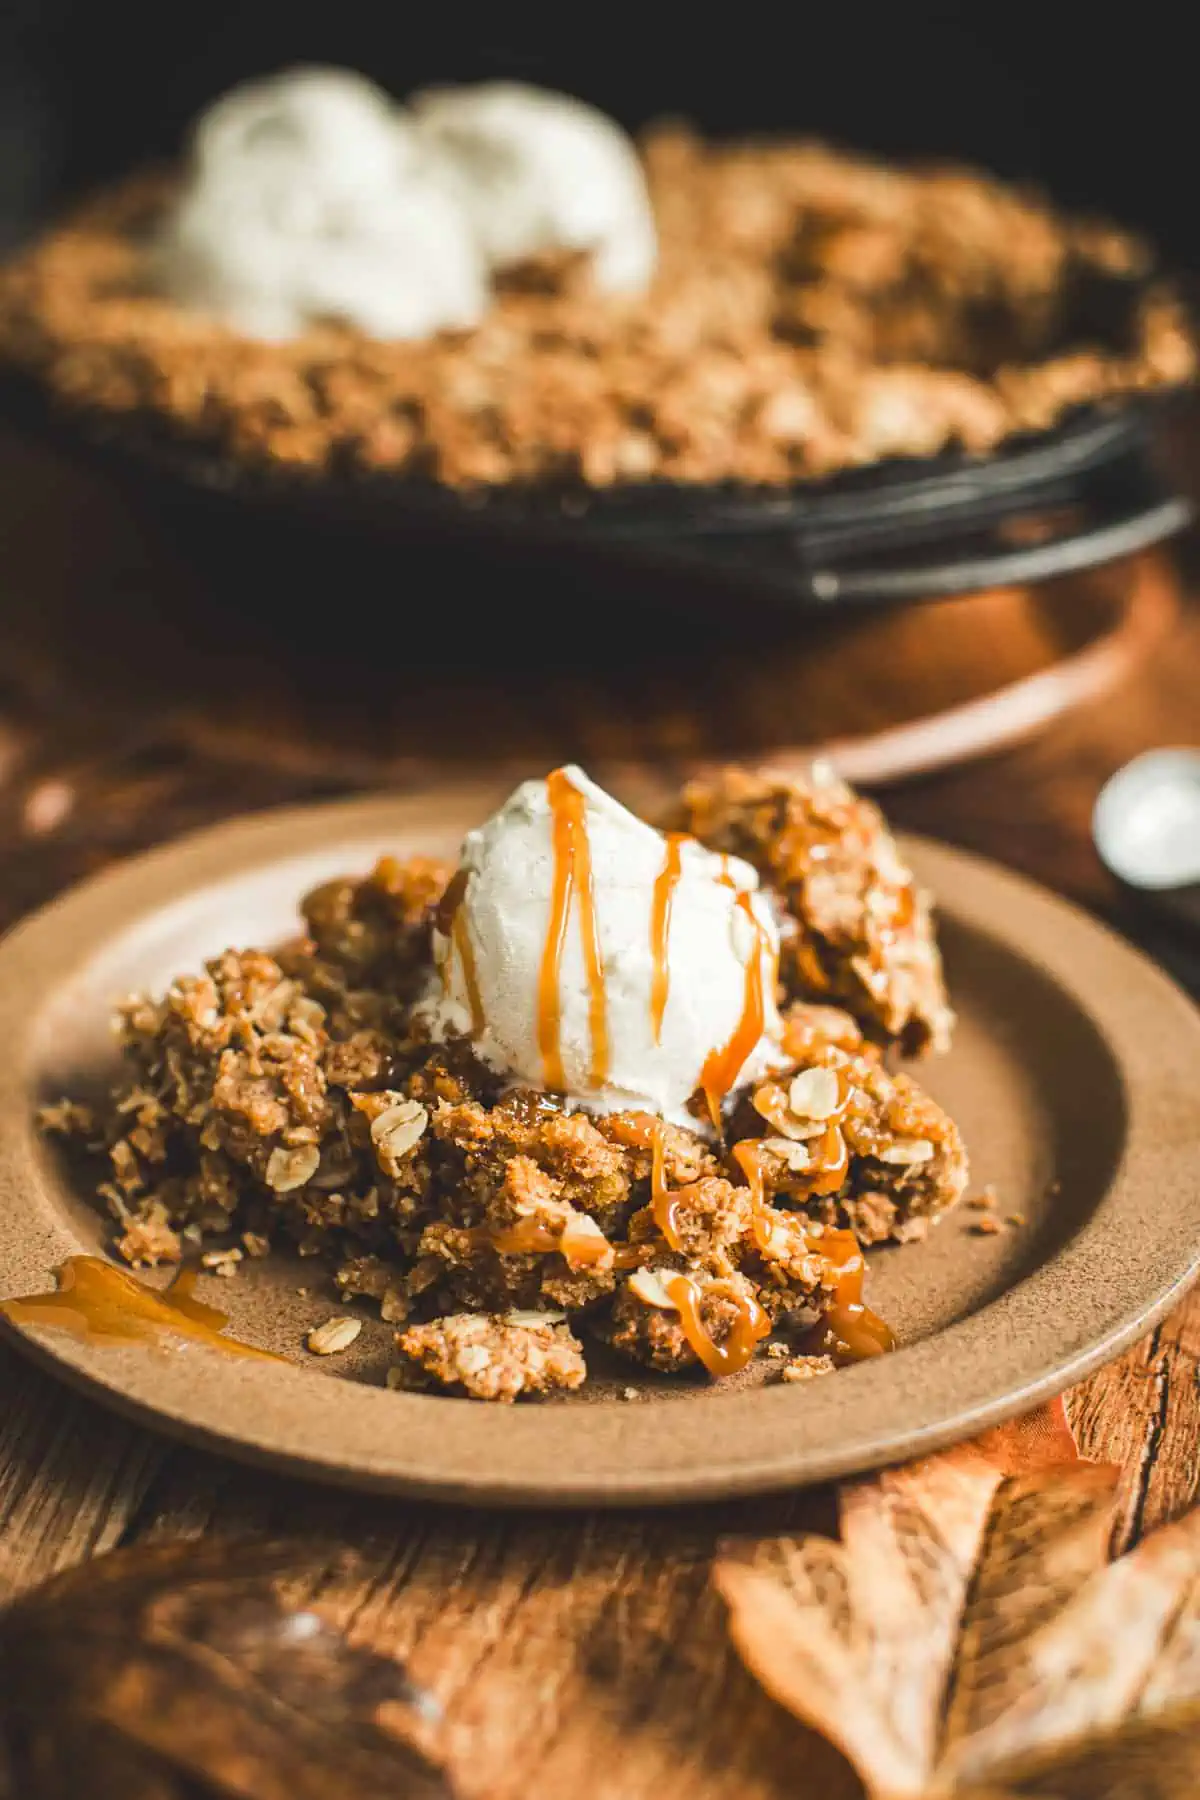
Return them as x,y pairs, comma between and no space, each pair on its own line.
607,1453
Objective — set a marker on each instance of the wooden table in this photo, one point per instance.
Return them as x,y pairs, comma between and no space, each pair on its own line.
579,1655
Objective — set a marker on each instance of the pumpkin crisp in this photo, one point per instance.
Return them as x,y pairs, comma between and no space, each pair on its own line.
293,1098
812,312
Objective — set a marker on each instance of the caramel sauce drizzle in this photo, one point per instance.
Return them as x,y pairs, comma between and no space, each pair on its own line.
461,940
101,1304
451,922
582,1249
586,1249
636,1130
523,1239
749,1328
849,1331
660,928
446,910
832,1161
724,1064
572,872
748,1154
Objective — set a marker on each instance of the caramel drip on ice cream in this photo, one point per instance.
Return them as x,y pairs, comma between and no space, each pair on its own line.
660,929
446,910
461,939
724,1064
450,921
572,876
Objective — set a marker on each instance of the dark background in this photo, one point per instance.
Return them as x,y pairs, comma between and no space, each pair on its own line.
1101,114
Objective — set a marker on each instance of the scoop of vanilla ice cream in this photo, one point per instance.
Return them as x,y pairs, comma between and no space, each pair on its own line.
542,171
310,198
508,871
328,116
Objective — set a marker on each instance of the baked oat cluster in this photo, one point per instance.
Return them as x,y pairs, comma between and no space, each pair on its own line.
296,1098
811,312
858,931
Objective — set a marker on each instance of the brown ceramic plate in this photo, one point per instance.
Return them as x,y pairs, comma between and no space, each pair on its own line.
1073,1077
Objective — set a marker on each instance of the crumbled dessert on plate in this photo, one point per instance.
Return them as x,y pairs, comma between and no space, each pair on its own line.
497,1357
589,1085
858,928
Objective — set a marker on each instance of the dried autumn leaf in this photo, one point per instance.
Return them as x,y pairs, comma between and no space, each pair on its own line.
182,1672
968,1635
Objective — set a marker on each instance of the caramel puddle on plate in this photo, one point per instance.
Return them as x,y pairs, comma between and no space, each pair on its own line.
101,1304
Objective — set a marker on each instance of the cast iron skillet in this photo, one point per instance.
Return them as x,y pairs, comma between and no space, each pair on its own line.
1093,488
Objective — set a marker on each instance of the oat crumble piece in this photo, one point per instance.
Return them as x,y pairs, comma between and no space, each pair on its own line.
858,931
490,1359
652,1333
905,1160
149,1240
807,1368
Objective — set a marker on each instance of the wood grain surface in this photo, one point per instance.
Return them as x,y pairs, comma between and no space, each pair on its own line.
580,1655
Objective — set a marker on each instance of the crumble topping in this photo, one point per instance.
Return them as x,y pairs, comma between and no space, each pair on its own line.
811,312
296,1099
861,930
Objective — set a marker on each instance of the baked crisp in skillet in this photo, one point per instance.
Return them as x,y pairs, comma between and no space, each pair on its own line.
812,312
